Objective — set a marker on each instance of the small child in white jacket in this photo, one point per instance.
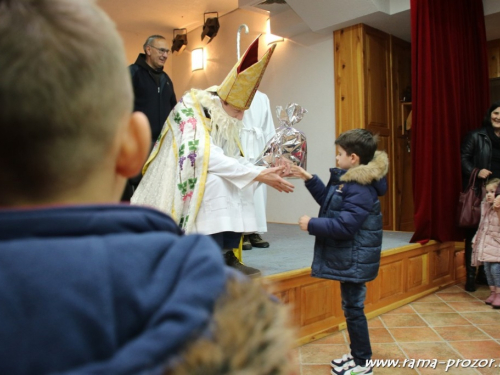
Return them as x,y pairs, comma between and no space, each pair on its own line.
486,243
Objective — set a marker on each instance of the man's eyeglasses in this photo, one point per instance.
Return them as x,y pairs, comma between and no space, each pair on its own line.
162,51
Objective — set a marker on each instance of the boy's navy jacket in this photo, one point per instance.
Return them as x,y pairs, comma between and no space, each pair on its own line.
101,289
349,227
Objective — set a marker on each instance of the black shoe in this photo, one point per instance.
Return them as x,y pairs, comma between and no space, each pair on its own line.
257,241
481,276
470,284
232,261
247,245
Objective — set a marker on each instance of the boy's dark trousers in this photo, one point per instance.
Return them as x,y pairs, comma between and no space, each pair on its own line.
353,304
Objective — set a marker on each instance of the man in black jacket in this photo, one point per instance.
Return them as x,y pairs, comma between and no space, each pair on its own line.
153,92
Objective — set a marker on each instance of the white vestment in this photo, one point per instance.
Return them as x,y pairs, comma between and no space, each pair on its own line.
227,203
258,129
194,180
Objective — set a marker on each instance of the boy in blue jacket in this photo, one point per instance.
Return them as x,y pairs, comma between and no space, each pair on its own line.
349,233
88,286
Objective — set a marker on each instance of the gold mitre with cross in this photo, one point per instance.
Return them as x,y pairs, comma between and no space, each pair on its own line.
238,88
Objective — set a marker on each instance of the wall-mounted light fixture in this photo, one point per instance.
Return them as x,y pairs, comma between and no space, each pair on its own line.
197,59
210,26
179,41
270,38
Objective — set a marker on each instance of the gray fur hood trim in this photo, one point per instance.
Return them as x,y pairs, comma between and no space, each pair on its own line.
250,334
365,174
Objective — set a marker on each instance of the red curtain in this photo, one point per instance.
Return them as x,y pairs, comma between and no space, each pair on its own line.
450,94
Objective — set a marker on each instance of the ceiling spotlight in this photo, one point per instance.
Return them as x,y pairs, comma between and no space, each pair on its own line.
179,41
210,26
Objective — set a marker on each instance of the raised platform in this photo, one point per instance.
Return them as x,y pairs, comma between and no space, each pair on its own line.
407,272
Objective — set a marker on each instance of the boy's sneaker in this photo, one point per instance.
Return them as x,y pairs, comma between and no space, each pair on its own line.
340,362
350,368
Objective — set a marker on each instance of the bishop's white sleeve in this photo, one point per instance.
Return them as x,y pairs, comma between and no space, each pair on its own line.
236,171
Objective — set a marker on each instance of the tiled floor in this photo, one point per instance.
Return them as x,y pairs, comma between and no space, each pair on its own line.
450,324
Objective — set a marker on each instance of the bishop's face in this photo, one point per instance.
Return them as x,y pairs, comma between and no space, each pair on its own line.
233,111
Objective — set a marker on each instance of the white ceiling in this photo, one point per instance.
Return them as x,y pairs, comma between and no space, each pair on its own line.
294,18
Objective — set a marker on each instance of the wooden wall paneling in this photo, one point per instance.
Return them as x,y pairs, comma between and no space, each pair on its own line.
417,271
386,201
348,61
460,271
318,301
442,260
391,279
368,82
401,162
405,274
378,105
321,307
494,58
376,73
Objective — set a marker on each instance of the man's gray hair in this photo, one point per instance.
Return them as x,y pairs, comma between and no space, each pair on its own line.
150,40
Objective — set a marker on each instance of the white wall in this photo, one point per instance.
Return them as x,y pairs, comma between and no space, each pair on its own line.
300,71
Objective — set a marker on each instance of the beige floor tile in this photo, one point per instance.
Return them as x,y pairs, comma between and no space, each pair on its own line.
436,307
429,298
444,319
461,333
315,370
375,323
394,371
335,338
491,329
406,309
411,334
471,306
321,354
492,317
477,349
403,320
440,369
491,368
448,324
451,289
380,335
387,351
456,297
428,350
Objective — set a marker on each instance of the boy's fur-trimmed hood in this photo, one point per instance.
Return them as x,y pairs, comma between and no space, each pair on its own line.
365,174
250,334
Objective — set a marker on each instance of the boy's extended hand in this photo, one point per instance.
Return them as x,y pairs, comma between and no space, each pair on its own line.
304,221
300,172
271,177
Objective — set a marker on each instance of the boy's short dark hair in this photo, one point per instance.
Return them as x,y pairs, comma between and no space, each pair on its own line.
360,142
64,89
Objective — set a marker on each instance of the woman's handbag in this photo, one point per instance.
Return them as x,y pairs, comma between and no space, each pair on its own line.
469,204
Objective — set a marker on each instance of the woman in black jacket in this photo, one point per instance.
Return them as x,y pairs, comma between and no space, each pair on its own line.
480,149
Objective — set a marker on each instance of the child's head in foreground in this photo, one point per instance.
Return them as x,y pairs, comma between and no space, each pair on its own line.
67,132
491,187
355,147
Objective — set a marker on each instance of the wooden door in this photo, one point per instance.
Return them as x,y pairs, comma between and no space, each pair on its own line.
378,104
402,169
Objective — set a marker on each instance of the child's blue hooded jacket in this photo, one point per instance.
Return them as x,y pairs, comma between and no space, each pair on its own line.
349,227
101,289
